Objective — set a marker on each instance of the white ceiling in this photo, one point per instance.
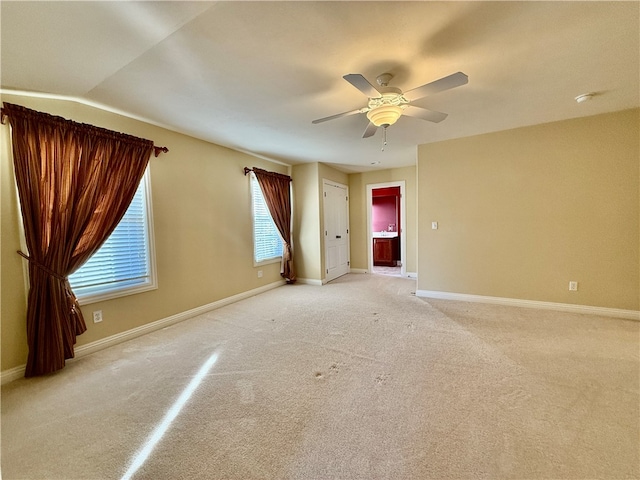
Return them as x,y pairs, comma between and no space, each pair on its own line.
253,75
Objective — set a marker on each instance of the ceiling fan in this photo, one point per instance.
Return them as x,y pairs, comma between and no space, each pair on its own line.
387,104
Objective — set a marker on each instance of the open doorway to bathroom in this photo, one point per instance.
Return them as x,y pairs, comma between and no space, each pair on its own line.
385,224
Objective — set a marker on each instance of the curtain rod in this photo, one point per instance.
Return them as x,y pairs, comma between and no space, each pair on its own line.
267,173
3,116
158,150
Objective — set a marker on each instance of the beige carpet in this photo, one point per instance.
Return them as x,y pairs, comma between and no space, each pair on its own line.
394,271
357,379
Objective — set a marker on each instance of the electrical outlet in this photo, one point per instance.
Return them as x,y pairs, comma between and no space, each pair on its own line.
97,316
259,273
573,286
434,225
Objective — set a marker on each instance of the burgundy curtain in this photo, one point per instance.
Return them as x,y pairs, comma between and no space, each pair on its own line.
277,196
75,182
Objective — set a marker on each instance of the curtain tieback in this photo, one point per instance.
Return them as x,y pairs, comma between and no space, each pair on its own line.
42,267
71,298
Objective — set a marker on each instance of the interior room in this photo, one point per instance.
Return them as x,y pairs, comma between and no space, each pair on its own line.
386,225
451,292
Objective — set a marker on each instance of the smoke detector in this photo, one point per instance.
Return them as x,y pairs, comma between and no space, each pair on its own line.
584,97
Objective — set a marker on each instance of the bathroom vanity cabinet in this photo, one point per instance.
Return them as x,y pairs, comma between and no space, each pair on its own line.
385,251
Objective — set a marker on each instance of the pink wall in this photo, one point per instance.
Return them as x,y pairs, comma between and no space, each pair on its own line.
384,214
385,209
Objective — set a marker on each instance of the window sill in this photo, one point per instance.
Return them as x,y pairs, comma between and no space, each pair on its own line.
110,295
267,261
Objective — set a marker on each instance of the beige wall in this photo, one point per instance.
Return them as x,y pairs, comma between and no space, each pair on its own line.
13,300
358,213
306,221
203,231
308,217
523,212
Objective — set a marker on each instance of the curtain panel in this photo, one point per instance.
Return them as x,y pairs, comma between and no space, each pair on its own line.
75,182
277,195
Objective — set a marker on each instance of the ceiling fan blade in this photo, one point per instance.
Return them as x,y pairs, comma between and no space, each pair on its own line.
362,84
454,80
370,131
424,114
332,117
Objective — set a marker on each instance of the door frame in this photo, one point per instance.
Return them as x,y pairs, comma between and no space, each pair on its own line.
403,223
331,183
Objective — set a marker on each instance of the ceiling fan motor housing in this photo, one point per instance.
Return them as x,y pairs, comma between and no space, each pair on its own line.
384,79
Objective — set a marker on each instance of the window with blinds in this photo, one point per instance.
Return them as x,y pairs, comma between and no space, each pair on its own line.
267,243
124,263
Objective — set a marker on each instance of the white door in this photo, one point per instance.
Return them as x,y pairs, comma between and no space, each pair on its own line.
336,229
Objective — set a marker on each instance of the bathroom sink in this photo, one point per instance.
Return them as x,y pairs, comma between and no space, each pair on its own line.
385,234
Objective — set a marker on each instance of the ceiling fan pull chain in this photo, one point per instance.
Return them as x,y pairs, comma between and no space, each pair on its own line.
384,137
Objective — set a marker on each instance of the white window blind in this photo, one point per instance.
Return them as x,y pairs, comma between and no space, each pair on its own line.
267,243
123,264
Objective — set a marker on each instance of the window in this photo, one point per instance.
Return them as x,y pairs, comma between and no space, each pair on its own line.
267,244
125,263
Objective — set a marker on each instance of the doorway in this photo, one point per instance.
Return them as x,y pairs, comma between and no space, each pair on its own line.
386,220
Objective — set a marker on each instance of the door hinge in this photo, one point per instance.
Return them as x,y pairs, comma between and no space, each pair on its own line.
349,263
346,198
325,194
325,233
347,230
327,270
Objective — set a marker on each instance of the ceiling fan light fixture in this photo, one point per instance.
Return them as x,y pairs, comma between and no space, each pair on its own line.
384,115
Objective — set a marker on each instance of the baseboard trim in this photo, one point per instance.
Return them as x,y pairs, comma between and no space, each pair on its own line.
309,281
15,373
515,302
12,374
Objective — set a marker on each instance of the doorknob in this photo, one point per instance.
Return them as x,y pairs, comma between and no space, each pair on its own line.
338,236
